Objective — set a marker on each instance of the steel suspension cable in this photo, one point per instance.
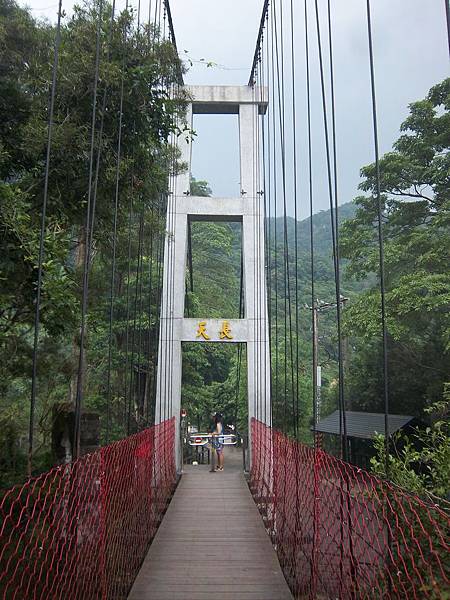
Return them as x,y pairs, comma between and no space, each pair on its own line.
286,274
343,417
314,562
127,401
294,157
259,240
87,243
173,205
384,331
311,226
51,110
447,17
262,230
97,171
148,382
275,236
256,264
279,53
114,239
343,428
268,212
134,388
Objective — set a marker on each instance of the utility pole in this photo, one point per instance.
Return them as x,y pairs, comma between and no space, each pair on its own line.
319,306
316,384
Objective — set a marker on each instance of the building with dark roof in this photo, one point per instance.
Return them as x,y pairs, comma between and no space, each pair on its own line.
361,429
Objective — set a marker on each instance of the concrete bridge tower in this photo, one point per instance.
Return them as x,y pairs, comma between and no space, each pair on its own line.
248,103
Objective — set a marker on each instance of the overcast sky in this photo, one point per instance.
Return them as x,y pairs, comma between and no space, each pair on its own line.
411,54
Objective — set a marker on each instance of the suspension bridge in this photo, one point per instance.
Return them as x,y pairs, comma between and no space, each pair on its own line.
130,520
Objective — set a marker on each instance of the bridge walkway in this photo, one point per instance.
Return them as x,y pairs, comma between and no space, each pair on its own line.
211,543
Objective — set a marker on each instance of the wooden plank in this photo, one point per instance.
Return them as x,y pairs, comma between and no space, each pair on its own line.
211,543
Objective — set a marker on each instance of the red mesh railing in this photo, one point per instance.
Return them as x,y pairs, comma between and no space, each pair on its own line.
81,531
341,532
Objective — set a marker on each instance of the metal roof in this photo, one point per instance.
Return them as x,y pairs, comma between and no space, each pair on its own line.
362,424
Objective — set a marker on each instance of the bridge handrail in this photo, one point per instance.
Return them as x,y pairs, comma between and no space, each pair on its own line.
201,439
342,532
78,531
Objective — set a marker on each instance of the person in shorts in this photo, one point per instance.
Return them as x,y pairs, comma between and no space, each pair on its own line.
217,440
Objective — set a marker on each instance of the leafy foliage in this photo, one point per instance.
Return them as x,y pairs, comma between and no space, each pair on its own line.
419,462
144,65
415,179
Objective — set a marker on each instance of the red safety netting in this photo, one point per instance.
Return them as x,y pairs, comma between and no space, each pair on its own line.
341,532
81,531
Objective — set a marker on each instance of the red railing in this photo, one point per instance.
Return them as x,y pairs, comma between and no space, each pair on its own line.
341,532
81,531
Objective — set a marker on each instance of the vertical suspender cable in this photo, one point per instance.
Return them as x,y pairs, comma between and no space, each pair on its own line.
127,405
42,241
286,286
314,560
114,240
140,401
149,375
275,236
133,382
343,418
262,185
294,152
447,15
97,171
266,335
161,246
255,262
380,241
348,516
311,227
268,198
91,220
286,274
87,253
342,422
342,429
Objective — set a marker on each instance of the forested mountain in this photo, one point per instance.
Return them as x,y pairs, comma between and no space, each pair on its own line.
321,229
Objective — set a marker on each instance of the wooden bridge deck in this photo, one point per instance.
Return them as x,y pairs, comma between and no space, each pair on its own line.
211,543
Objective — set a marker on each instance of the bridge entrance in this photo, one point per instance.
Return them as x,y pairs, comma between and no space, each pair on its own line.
214,379
248,209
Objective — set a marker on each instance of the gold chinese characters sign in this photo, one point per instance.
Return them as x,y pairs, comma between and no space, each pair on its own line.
224,333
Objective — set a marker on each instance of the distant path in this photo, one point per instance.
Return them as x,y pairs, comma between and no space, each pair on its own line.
211,543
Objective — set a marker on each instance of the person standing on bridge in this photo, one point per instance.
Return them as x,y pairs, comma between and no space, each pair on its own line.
217,440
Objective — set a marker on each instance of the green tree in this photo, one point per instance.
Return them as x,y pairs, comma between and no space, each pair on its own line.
139,60
419,462
200,187
415,180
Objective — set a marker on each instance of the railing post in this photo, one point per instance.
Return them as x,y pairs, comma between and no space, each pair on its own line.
103,532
